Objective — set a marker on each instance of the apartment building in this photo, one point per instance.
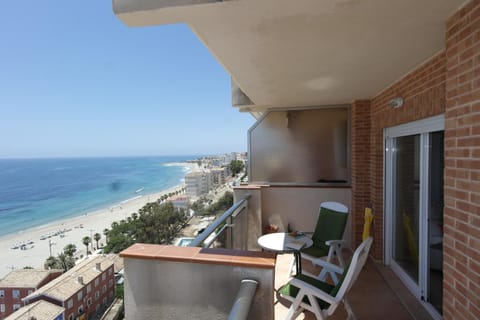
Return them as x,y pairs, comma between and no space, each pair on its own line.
218,175
197,183
20,283
40,310
85,290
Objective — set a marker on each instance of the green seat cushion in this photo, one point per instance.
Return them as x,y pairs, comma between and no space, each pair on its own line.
316,251
292,291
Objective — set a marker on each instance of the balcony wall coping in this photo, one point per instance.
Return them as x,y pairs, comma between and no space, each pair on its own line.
252,259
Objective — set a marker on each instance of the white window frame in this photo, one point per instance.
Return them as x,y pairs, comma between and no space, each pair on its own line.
80,310
89,288
89,302
80,295
70,304
104,276
97,281
16,306
2,293
70,317
2,307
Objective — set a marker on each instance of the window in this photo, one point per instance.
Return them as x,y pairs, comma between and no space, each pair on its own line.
70,304
16,307
89,288
97,307
80,296
111,295
80,310
30,291
70,317
105,300
110,271
110,283
96,282
2,308
97,295
104,276
89,302
104,289
2,293
16,294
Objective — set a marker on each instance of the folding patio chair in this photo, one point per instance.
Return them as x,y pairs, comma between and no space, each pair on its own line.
327,237
321,298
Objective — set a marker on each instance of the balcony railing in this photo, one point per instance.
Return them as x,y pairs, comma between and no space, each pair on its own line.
225,227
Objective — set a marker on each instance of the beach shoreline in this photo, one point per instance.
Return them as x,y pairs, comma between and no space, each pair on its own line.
35,254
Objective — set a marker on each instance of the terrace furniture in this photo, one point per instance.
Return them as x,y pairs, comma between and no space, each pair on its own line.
282,242
327,237
321,298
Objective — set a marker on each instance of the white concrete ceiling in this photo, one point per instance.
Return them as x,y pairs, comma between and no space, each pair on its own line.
285,53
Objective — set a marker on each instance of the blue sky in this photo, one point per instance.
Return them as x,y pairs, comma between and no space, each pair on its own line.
75,81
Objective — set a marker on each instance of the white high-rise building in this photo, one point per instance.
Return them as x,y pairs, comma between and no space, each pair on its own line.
197,183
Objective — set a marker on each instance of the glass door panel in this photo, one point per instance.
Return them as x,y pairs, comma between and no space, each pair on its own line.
435,218
406,206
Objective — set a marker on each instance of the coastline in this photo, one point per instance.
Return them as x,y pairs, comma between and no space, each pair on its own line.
79,227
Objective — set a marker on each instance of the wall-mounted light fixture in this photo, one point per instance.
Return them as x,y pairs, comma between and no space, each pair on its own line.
396,102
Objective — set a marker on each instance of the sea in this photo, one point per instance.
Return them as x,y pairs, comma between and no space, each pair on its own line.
35,192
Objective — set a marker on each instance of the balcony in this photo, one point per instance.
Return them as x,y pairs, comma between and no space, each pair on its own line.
202,283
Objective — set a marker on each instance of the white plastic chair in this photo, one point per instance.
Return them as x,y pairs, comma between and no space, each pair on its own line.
308,293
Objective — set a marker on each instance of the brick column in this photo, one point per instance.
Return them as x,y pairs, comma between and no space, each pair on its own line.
360,142
461,294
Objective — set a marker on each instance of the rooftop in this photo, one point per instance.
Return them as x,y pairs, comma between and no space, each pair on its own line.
67,285
27,278
41,310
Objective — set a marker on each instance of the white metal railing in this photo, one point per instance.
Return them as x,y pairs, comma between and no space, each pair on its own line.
243,301
220,225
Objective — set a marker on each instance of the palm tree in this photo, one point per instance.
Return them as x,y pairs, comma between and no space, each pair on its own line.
97,237
105,233
86,241
70,249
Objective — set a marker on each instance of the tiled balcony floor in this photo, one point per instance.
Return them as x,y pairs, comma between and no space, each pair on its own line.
371,297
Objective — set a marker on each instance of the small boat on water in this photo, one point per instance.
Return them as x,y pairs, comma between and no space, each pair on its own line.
140,190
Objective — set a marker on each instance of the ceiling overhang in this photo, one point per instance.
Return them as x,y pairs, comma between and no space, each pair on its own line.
284,53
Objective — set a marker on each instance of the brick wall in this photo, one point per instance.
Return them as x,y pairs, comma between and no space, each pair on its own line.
423,91
462,166
360,124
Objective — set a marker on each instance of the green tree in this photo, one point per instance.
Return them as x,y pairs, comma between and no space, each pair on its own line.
70,249
155,223
97,236
65,262
236,166
50,263
86,241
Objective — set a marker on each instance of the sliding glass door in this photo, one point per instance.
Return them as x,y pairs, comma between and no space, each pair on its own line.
414,163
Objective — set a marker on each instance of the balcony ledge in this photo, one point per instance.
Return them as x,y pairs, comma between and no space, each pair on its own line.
264,260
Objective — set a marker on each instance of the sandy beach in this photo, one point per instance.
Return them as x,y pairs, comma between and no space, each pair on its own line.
78,227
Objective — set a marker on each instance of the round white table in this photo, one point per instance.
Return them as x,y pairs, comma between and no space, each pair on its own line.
282,242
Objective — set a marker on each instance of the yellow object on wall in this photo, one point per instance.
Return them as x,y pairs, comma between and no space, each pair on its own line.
367,224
